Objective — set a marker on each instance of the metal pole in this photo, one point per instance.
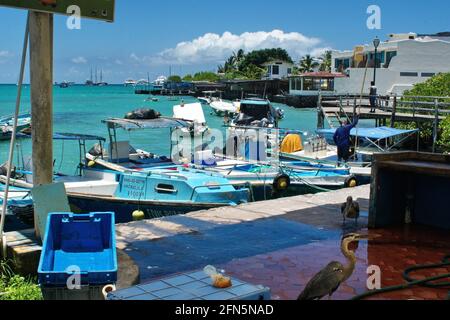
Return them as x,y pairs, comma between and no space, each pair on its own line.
375,67
13,136
41,75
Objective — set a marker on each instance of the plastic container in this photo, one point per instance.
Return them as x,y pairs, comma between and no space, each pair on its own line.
83,245
191,286
91,293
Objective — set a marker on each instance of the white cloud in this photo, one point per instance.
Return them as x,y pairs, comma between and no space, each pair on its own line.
215,48
79,60
5,55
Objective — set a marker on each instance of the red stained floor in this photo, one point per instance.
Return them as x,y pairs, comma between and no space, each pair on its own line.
286,272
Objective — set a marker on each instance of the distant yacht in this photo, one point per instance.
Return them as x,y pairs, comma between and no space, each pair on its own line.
90,82
142,82
160,81
129,83
65,84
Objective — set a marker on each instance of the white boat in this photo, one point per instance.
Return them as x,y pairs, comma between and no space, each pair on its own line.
142,82
221,107
193,113
129,83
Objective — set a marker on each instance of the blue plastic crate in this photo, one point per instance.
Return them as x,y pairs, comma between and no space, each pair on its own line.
85,241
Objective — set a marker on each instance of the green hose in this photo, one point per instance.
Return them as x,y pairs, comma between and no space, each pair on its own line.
427,282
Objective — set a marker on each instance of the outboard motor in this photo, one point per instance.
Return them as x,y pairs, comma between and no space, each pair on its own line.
279,113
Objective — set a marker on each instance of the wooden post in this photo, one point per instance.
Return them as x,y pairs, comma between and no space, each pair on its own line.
436,124
394,111
320,114
41,76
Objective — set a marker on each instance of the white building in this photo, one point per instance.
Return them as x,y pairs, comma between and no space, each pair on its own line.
277,69
313,83
403,60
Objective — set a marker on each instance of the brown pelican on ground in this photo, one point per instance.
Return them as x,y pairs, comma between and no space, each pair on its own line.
327,281
350,210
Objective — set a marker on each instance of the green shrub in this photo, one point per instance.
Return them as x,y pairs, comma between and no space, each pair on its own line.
444,141
437,86
15,287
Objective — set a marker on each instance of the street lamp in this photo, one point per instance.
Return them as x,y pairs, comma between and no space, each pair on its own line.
376,44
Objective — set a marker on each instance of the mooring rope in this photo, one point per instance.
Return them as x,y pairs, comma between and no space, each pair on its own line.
429,282
13,137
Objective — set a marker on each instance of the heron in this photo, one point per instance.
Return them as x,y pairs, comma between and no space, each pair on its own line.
350,210
328,281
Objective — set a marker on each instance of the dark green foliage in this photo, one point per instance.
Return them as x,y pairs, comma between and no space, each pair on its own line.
437,86
175,78
250,66
15,287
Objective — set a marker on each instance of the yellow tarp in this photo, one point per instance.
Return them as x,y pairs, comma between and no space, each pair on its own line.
292,143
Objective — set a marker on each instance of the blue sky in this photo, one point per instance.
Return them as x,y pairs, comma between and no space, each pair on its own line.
150,36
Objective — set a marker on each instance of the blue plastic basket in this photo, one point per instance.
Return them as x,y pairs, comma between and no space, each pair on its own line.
79,242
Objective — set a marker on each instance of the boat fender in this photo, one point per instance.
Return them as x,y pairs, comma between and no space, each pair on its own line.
351,182
138,215
91,164
281,182
108,289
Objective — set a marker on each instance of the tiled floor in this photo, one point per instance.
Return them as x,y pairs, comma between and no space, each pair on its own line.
283,244
287,271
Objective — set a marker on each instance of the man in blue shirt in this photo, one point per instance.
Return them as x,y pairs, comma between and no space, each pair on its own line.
342,139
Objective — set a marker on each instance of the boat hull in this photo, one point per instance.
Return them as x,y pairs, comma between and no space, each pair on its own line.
124,209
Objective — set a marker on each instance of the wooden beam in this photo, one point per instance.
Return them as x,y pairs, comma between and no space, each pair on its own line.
41,76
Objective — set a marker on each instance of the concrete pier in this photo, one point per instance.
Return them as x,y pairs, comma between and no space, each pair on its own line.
282,244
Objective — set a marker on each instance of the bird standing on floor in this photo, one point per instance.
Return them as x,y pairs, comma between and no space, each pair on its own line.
328,281
350,210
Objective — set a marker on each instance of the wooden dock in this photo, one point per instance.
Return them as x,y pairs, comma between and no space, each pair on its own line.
390,110
334,110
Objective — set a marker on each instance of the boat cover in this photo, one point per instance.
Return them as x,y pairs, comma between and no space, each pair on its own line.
373,133
68,136
160,123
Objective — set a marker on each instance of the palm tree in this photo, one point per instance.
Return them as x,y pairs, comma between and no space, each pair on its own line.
238,58
325,65
307,64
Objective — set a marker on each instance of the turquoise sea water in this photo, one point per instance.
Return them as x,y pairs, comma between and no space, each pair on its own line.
81,109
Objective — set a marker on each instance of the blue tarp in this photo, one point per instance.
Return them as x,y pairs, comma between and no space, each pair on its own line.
372,133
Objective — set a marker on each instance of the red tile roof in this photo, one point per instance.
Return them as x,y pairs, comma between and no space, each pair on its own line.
323,74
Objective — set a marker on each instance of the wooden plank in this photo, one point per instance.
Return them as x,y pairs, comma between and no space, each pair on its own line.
51,198
94,9
41,74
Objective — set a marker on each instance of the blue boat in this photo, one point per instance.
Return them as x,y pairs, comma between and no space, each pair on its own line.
7,123
370,141
107,186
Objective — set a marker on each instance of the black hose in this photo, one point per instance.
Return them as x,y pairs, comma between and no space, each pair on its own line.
427,282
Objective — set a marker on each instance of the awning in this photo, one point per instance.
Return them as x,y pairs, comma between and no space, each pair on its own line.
68,136
160,123
373,133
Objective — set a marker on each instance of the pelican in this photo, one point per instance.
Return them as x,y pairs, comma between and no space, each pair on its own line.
328,281
350,210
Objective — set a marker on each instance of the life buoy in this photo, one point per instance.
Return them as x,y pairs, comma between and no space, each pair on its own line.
281,182
351,182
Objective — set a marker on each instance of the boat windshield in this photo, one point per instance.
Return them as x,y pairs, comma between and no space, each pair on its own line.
256,111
